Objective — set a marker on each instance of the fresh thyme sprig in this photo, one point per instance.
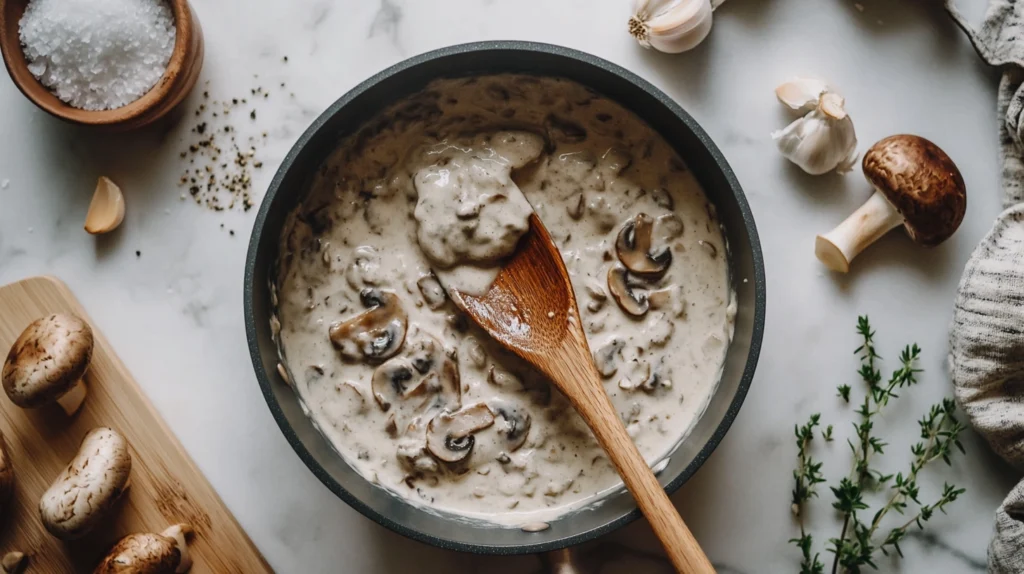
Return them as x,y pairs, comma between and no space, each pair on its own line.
806,477
859,541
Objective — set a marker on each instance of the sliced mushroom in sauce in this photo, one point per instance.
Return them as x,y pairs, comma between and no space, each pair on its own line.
636,250
628,293
433,293
375,334
450,435
607,357
515,423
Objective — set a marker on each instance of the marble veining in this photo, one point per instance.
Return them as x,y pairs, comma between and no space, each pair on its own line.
174,311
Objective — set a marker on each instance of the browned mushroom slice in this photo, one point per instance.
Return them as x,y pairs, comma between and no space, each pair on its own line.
627,293
450,435
375,334
636,250
516,422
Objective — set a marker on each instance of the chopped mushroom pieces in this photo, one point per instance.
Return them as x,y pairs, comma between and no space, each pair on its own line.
47,363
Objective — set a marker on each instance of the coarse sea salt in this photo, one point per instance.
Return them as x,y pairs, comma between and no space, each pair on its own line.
98,54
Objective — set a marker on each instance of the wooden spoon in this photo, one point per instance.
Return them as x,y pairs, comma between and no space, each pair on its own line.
531,310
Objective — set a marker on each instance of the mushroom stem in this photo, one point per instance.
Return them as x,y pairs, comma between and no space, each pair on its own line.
72,400
837,248
180,534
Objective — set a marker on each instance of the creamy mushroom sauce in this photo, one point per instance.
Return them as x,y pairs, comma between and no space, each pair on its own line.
424,404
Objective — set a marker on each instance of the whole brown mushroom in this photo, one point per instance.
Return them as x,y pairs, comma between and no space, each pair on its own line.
164,553
916,185
47,363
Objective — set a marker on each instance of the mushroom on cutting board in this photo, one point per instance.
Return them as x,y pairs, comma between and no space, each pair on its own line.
83,494
916,185
13,562
6,477
47,363
148,553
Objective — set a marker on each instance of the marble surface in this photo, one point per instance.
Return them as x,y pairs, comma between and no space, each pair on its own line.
166,288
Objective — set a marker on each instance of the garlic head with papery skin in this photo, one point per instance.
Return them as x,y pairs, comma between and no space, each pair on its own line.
671,26
824,139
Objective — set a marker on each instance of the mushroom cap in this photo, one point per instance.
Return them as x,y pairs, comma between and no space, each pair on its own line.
142,554
83,494
922,183
50,356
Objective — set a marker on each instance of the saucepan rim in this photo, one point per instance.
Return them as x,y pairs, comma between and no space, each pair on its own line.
527,48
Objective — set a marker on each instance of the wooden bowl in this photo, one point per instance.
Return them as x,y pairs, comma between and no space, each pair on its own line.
179,78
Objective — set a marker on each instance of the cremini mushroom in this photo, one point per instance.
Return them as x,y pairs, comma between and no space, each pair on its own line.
420,381
106,210
627,292
148,553
375,334
84,493
6,477
636,250
450,435
47,363
515,423
916,185
13,562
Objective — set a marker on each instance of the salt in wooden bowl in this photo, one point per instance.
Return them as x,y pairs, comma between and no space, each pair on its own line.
178,80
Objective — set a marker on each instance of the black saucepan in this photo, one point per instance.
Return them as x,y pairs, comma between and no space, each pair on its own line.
343,118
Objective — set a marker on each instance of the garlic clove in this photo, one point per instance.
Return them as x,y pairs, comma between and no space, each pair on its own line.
671,26
831,105
801,93
823,140
106,210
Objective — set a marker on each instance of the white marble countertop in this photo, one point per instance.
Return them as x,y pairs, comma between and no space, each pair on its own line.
174,311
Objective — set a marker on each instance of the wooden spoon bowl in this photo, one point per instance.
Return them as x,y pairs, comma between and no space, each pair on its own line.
178,80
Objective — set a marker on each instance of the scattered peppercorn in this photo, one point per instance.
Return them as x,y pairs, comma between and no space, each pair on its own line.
220,159
138,254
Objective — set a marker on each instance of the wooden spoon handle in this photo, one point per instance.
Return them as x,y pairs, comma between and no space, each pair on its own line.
682,548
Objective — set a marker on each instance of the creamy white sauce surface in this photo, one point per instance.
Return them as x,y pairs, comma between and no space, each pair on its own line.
442,184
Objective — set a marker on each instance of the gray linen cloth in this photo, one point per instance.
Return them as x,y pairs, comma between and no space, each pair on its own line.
987,333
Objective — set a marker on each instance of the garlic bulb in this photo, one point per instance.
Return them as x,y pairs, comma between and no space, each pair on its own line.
824,139
671,26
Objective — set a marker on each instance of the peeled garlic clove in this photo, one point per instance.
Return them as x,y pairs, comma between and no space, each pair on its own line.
821,141
106,210
671,26
801,93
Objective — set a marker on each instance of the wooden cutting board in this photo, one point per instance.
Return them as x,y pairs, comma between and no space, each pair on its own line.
166,487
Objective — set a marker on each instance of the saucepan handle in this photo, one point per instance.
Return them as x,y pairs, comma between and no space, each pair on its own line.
561,562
